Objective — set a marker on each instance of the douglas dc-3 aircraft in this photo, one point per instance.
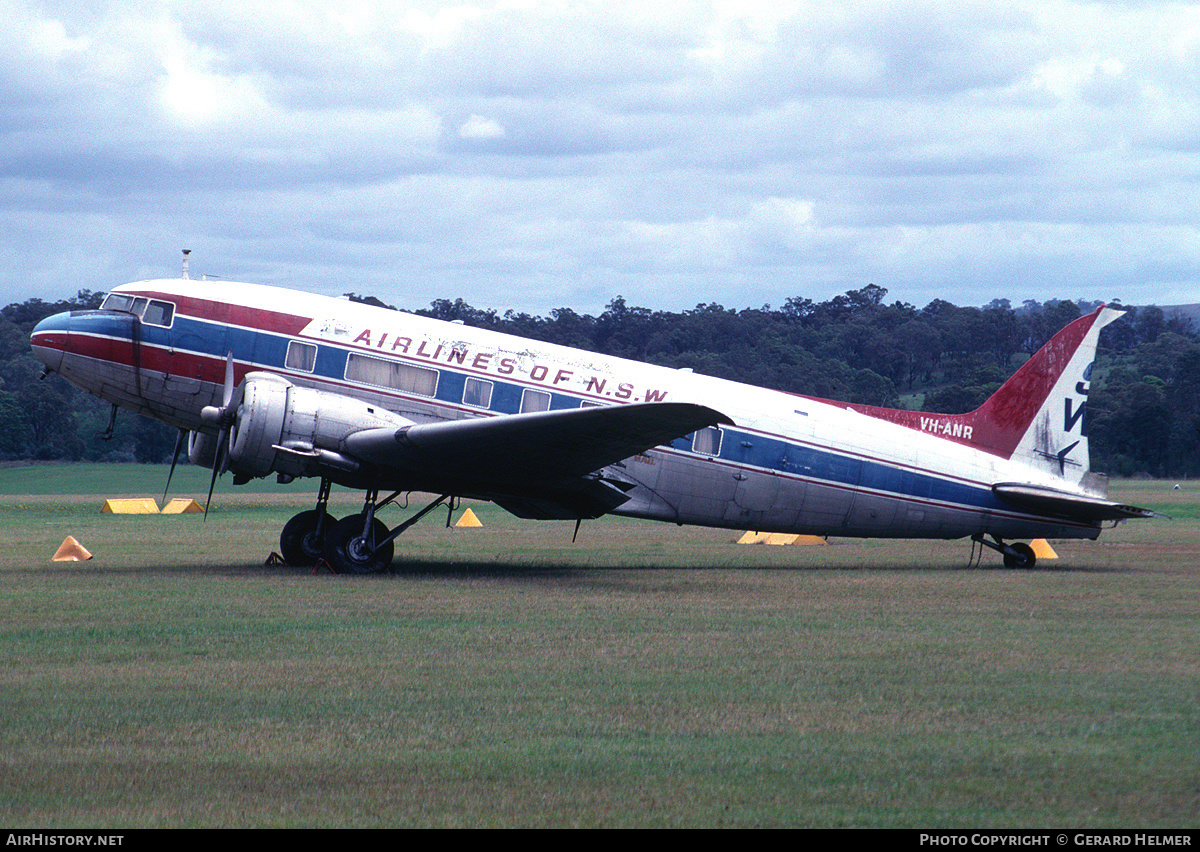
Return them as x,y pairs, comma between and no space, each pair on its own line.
267,380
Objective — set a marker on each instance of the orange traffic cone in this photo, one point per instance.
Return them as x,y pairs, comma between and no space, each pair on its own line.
468,520
71,551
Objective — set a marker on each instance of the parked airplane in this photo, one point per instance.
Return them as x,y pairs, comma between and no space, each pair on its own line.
266,380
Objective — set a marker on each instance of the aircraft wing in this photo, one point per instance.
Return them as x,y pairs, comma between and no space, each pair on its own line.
1066,504
540,455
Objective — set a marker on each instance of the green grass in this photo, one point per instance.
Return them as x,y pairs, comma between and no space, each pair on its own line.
130,480
647,675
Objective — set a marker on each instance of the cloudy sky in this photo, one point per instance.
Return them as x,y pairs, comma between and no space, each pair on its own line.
533,155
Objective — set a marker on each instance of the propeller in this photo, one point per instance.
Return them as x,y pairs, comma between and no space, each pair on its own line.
223,418
174,460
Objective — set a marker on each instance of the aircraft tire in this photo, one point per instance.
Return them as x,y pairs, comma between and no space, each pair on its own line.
1024,557
298,542
346,551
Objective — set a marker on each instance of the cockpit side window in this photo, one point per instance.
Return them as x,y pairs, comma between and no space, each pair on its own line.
159,313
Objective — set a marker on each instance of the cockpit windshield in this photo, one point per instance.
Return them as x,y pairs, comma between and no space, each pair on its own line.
152,311
122,302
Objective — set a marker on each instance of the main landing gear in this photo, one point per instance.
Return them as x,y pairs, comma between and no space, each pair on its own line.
1016,555
357,544
302,541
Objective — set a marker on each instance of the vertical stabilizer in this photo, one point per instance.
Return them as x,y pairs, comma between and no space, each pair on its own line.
1039,416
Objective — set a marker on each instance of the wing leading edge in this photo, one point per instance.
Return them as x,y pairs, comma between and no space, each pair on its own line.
537,464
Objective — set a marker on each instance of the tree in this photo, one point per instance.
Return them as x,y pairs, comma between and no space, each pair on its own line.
16,433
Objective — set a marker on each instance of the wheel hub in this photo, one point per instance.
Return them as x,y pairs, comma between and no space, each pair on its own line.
359,549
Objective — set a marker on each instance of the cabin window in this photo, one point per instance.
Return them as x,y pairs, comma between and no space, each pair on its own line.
477,393
391,374
534,400
301,356
159,313
707,441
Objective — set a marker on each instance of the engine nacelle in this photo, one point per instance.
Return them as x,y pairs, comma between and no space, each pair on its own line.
280,427
202,449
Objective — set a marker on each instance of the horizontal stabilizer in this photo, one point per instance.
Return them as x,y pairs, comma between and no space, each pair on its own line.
1066,504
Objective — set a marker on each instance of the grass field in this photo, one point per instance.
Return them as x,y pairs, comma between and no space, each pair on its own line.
647,675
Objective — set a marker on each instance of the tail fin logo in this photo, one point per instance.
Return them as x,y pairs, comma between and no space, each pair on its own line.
1072,415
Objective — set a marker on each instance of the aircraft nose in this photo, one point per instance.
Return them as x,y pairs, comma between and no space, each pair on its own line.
49,339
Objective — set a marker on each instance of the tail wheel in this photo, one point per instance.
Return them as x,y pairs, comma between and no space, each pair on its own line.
1019,555
299,543
349,552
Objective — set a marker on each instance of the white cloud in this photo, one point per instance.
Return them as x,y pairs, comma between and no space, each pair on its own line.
194,96
478,127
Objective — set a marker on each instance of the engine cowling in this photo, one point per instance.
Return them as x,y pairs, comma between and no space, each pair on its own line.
283,428
202,448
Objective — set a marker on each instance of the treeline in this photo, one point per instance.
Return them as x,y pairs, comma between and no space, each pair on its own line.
1143,410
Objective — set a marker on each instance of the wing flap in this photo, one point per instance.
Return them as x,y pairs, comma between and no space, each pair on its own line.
1066,504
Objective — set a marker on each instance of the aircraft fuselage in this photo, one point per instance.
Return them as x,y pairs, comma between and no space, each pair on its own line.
786,463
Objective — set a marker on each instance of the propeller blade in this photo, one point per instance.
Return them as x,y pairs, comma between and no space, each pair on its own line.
174,460
218,464
228,389
223,416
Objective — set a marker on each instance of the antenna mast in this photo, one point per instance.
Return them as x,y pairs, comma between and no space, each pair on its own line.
186,252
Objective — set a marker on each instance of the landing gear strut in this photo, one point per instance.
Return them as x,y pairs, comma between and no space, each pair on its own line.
1016,555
